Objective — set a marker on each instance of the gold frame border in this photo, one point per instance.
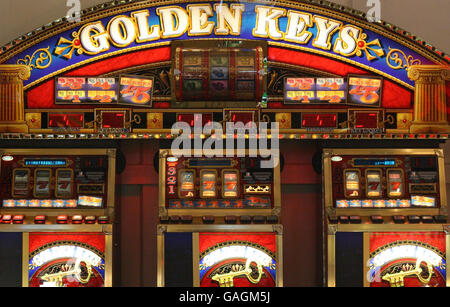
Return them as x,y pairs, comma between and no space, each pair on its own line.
93,14
367,229
196,229
328,196
105,229
163,211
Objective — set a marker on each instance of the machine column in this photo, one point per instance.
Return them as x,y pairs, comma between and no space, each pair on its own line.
12,110
430,107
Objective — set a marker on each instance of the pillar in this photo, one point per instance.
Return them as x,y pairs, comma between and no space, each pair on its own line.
430,105
12,105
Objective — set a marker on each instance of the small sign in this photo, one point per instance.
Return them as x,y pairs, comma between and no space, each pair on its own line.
364,91
136,90
85,90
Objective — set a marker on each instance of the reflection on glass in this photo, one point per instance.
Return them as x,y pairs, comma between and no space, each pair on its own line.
208,183
187,183
373,179
351,183
63,183
230,184
395,183
42,183
20,182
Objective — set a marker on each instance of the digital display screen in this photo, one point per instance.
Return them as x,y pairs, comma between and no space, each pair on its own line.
210,162
49,162
374,162
319,120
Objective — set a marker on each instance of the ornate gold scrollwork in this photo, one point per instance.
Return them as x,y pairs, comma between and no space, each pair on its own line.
40,59
66,48
369,48
397,59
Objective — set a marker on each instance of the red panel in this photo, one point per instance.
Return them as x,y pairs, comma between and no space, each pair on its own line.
366,120
66,120
139,174
243,117
301,238
131,235
38,239
150,216
298,164
132,152
319,120
436,239
208,240
113,119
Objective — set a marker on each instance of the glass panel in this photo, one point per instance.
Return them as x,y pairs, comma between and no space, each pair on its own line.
230,184
373,179
187,183
351,183
208,184
64,183
42,183
395,183
20,182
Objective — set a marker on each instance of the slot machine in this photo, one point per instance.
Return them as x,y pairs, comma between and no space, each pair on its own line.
219,222
385,218
57,213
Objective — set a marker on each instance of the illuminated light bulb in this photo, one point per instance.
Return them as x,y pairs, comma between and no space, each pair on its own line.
7,158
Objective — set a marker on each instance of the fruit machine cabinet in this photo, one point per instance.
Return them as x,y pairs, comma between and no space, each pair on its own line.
219,222
56,217
385,218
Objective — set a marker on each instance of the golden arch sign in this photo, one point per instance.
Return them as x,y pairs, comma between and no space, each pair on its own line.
141,25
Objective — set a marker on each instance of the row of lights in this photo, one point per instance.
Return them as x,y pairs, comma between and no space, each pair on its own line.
224,136
60,219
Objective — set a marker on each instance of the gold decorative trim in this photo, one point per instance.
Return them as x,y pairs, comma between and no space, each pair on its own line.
38,63
400,63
